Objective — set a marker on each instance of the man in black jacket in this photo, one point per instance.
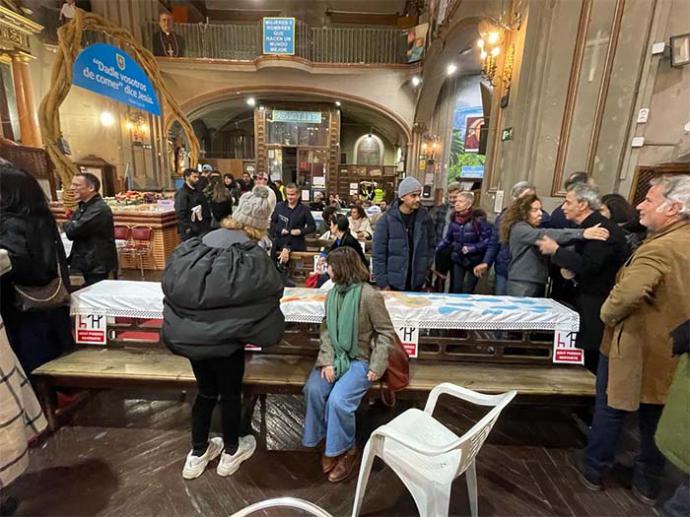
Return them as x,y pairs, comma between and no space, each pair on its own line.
291,222
191,208
591,264
92,230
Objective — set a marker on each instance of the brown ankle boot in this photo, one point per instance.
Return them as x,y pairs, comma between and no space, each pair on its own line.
328,463
345,466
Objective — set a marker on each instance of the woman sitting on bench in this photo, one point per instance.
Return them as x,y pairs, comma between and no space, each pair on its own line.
355,339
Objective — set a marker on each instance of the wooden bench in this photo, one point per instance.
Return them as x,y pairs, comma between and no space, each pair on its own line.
156,368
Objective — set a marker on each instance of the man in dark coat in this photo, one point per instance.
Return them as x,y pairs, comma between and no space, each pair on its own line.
165,42
291,222
191,208
404,241
591,264
92,230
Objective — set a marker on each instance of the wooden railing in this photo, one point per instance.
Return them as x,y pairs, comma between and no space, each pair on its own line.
318,44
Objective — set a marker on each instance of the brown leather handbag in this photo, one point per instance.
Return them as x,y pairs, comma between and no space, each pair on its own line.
42,297
397,375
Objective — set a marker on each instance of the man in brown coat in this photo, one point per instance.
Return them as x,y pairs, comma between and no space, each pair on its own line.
650,299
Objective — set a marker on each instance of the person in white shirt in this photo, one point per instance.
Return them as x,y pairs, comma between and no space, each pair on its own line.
359,224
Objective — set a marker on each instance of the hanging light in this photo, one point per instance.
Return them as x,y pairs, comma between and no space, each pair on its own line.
451,69
495,51
107,118
251,101
480,43
493,37
416,80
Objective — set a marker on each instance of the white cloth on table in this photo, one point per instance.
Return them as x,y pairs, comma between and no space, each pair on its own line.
303,305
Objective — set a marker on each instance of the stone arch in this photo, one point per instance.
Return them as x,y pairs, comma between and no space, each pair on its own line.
196,104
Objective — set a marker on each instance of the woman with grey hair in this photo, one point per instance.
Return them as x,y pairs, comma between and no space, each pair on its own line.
468,238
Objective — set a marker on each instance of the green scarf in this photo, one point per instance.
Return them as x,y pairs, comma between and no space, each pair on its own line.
342,320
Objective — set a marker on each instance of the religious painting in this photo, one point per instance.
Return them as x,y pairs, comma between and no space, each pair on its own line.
473,127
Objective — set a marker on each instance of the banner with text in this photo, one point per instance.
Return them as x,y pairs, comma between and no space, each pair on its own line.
91,329
564,349
108,71
409,337
279,36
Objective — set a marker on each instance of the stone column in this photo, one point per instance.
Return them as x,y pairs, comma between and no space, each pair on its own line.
26,108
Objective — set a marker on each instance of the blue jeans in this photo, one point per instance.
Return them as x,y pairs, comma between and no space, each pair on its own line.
501,285
605,433
331,408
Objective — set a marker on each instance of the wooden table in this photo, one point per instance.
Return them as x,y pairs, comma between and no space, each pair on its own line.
163,223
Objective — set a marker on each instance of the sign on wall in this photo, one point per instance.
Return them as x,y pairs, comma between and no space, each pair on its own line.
311,117
279,36
108,71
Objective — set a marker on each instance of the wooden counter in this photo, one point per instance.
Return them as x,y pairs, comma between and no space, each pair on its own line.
163,223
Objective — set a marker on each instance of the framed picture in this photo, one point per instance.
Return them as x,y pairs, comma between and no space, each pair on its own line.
680,50
473,126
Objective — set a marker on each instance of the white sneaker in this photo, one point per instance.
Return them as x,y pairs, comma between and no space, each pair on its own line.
195,465
229,463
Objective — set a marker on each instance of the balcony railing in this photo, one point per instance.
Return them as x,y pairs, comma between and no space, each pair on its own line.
320,45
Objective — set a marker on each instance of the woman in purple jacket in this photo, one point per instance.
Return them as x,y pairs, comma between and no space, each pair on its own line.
468,237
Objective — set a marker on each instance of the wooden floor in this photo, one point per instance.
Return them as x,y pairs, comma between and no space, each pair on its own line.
123,455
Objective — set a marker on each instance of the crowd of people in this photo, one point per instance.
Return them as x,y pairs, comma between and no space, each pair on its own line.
625,270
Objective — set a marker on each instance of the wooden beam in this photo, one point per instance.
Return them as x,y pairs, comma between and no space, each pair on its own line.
241,15
358,18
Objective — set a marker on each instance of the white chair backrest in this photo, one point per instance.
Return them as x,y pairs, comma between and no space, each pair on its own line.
283,502
472,440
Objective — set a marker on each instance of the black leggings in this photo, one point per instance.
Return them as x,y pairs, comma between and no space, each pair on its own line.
219,376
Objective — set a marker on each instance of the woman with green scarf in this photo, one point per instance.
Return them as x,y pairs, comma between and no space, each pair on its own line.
356,336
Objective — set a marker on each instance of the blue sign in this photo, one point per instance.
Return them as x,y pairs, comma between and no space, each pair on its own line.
109,71
279,36
313,117
472,171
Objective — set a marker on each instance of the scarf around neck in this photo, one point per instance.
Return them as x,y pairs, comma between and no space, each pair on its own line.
463,217
342,320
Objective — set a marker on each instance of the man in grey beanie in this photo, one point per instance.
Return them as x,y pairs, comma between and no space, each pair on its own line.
404,241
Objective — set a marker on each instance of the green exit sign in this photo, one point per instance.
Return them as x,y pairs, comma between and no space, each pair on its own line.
507,134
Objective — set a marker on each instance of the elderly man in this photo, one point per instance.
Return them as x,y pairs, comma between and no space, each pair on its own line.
592,265
650,299
404,241
165,42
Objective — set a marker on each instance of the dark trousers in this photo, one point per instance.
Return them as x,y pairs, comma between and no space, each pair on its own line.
606,430
463,279
92,278
222,377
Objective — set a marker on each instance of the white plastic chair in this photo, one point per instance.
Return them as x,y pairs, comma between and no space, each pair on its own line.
426,455
283,502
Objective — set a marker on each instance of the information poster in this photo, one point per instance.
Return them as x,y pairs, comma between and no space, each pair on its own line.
564,349
91,329
409,337
279,36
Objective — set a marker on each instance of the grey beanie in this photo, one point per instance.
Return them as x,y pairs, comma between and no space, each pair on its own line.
255,208
408,186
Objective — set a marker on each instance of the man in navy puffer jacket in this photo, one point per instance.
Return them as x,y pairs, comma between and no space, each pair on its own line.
404,241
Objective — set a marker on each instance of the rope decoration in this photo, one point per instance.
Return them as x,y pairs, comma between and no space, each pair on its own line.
69,41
